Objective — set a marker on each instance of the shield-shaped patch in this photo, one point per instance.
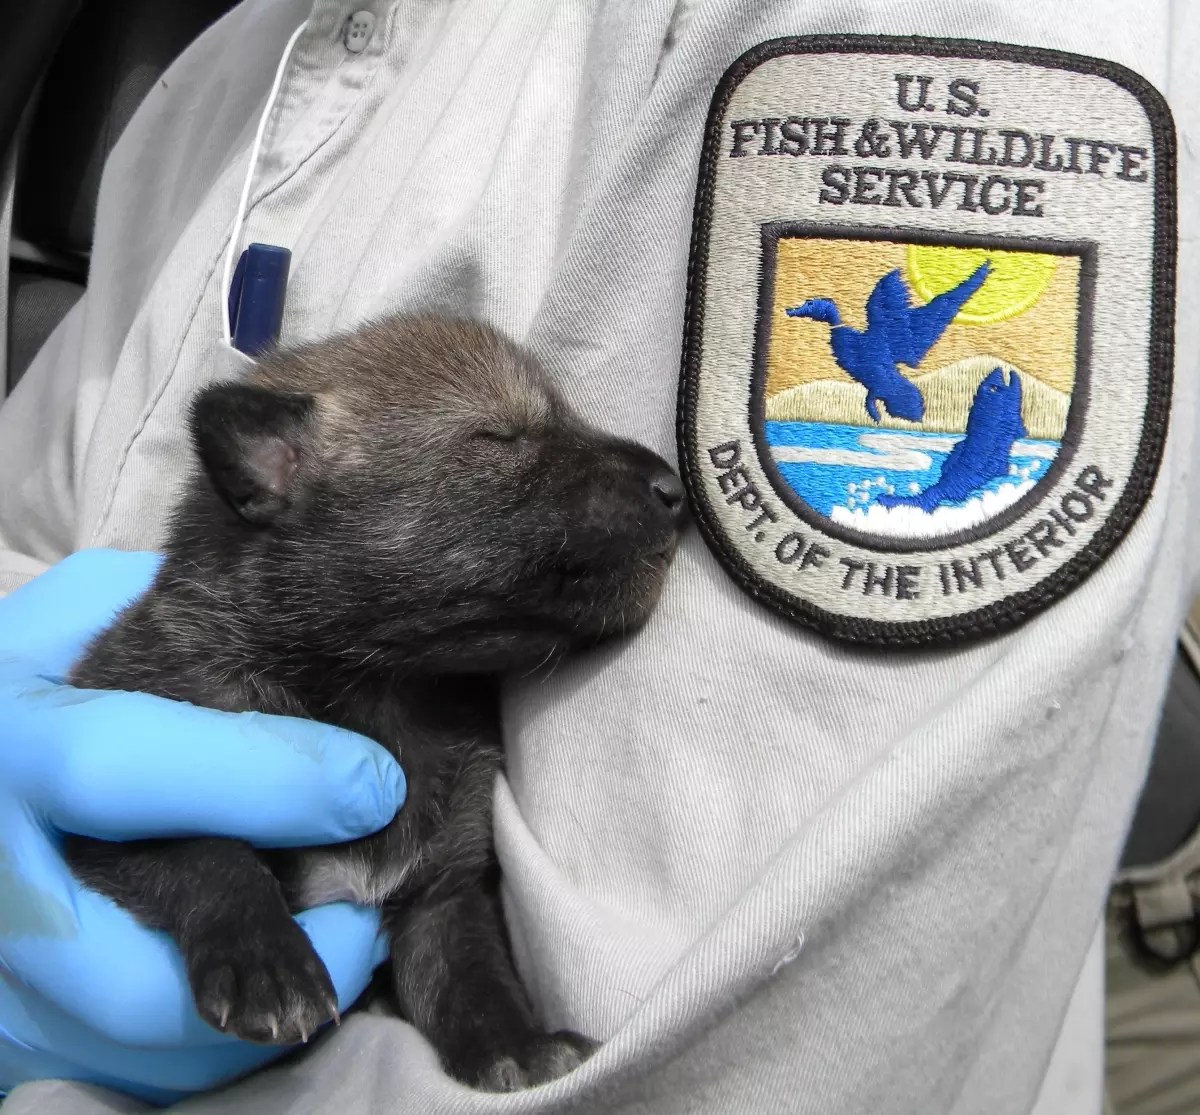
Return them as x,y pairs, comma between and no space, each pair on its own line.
927,365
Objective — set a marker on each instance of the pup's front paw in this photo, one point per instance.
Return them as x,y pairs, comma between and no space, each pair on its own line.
540,1059
267,987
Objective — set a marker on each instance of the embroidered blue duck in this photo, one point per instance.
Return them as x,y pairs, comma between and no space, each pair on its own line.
993,426
896,333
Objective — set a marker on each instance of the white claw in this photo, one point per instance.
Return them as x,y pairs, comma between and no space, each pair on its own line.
274,1028
224,1016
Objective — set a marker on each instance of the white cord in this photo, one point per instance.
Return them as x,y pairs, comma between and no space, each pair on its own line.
240,219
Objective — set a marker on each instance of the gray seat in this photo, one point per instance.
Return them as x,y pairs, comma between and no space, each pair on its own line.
112,53
37,302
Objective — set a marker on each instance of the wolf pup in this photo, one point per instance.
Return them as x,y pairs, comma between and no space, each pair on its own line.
384,524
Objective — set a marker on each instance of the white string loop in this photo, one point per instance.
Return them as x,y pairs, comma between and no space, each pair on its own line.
243,201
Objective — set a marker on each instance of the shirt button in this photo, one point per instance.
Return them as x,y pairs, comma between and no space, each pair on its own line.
358,31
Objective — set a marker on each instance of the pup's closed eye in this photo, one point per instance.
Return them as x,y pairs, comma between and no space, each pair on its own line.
499,433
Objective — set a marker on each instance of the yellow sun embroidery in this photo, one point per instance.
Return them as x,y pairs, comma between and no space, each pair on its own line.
1017,279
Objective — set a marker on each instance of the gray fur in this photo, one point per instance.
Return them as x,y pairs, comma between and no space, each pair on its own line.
385,524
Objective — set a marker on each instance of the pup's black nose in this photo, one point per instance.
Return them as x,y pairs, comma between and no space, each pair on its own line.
668,489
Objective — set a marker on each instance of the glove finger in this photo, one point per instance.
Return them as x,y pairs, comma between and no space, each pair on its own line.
52,618
129,985
349,940
120,766
76,950
82,954
39,1041
37,1032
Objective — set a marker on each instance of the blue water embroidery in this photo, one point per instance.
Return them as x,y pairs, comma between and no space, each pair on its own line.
910,483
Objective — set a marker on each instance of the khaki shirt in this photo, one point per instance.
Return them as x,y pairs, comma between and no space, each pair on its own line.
776,873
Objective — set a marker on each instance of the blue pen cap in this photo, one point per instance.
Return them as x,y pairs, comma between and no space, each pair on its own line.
256,297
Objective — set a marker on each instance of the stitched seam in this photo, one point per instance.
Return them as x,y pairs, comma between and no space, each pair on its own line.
152,403
391,111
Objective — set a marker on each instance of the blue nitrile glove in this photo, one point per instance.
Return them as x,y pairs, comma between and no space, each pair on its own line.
85,992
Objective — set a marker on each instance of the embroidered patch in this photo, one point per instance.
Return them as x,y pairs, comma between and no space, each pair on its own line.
927,364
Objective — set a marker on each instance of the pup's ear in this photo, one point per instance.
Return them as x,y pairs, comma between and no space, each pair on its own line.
251,442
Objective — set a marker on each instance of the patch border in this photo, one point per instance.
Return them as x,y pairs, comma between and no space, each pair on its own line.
1085,250
1002,615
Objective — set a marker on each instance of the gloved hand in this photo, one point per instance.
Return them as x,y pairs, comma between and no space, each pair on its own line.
85,992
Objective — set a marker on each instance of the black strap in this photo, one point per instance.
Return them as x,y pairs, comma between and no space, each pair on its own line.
1168,812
